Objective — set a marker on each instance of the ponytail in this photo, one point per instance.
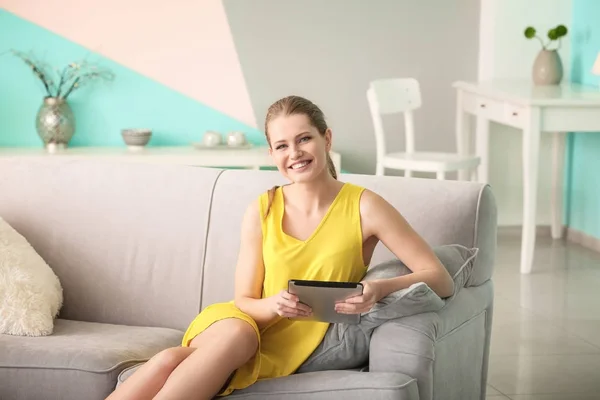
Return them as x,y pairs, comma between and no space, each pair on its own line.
331,167
270,194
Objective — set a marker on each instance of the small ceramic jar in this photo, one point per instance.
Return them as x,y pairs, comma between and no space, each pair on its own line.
236,138
211,138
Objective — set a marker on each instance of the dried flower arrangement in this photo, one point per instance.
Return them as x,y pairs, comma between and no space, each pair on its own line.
72,77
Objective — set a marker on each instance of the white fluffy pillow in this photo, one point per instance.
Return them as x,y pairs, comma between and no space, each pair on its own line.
30,292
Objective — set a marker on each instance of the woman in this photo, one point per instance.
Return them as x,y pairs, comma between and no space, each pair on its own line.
314,228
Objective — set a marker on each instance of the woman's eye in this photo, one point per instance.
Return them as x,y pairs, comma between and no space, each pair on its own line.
305,138
281,146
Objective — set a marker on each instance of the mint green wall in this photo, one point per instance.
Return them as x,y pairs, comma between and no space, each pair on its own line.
583,149
101,110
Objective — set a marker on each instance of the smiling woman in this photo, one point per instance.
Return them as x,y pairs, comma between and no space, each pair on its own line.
315,228
300,131
306,117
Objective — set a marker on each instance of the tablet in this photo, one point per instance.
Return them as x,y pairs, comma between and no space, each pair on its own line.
321,297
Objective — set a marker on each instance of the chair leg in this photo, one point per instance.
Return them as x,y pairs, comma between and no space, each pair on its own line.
379,169
474,176
407,173
441,175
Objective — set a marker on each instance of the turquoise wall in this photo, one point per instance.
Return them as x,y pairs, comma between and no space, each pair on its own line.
101,110
583,149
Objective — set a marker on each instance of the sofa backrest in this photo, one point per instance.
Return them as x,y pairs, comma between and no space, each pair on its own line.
152,245
443,212
126,240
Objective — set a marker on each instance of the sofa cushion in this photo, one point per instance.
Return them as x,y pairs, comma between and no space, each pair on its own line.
347,346
126,239
326,385
79,360
30,292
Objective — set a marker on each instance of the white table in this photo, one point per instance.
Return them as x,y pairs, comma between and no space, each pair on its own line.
253,157
533,109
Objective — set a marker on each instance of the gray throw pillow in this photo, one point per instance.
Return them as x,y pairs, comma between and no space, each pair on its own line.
347,346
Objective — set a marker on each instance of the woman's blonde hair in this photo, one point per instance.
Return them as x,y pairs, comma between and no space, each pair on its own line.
292,105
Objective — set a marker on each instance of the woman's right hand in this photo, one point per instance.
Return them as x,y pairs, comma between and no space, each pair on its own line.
287,305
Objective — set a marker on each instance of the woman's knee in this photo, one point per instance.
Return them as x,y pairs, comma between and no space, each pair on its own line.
242,334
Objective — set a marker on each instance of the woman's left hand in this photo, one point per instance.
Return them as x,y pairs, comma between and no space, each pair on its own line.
360,304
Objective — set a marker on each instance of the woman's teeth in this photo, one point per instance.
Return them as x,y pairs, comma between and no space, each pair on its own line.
300,164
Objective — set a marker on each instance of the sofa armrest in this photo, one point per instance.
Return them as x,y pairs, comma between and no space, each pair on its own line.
423,346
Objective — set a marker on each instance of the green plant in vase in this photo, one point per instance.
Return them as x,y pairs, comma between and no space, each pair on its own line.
55,122
547,67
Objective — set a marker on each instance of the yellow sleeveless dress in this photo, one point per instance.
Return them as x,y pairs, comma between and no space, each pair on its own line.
332,253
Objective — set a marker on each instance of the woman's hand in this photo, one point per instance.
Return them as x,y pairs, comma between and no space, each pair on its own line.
287,305
360,304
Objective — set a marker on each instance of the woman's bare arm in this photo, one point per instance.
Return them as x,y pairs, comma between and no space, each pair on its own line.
382,220
250,270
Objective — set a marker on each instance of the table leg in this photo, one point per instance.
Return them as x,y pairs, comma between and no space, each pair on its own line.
557,184
463,131
531,151
482,148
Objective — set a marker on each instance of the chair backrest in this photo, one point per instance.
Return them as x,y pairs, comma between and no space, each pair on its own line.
389,96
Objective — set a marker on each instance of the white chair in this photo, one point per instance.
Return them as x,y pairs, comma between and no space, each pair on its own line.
403,95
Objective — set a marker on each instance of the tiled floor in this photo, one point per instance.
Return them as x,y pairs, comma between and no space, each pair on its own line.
546,329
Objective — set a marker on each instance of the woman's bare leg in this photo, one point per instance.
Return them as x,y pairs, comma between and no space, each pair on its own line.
150,377
225,346
221,349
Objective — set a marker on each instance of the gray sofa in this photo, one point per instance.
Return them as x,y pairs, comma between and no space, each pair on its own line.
141,249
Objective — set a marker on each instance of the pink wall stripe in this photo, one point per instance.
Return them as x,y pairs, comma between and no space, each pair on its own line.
185,44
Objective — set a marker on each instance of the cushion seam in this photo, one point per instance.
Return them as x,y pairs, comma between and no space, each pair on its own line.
278,393
412,328
127,369
416,355
476,222
210,203
459,327
476,231
135,361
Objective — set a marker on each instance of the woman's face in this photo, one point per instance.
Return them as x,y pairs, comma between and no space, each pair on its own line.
297,147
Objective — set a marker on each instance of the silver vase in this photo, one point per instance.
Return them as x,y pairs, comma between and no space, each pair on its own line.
55,122
547,68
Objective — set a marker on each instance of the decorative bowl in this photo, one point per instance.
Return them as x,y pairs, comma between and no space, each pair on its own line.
136,137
